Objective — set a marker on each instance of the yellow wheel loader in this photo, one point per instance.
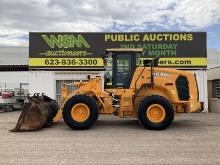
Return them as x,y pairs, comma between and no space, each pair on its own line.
128,89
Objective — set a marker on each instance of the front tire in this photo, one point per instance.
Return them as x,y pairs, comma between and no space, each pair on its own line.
155,112
80,112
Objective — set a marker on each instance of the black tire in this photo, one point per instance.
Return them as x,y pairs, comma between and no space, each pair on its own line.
93,116
148,101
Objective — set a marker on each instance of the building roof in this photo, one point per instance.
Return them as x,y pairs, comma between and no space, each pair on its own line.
14,55
4,68
213,73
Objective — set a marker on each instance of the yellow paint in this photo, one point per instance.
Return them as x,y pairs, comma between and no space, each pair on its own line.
142,88
129,99
58,116
180,61
71,62
98,62
155,113
80,112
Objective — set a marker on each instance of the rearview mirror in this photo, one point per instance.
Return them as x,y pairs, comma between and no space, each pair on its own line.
147,63
154,62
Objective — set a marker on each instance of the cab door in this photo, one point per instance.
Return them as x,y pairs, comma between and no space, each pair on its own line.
123,68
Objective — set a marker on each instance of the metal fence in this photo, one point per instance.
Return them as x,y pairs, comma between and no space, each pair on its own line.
70,88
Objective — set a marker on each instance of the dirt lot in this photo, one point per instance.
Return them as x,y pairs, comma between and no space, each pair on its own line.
192,139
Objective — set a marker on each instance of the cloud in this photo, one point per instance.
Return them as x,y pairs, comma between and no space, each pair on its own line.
195,15
21,16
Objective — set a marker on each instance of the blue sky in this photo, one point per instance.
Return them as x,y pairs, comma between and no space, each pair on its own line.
18,18
213,36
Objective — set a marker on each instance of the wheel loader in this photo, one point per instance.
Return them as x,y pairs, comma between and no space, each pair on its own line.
130,88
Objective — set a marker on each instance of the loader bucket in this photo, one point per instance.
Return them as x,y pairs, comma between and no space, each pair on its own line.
37,114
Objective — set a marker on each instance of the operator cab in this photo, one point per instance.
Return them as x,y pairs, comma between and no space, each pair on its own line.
120,66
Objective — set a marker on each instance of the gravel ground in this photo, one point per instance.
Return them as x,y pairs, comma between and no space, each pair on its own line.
191,139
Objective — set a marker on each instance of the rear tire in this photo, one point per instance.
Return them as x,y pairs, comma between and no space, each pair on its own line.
158,120
80,112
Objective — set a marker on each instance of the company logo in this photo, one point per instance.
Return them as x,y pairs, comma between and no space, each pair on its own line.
66,41
161,74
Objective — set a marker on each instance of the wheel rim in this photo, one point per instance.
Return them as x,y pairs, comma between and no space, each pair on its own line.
155,113
80,112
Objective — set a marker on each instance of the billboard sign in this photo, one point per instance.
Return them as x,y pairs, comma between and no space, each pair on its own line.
85,50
